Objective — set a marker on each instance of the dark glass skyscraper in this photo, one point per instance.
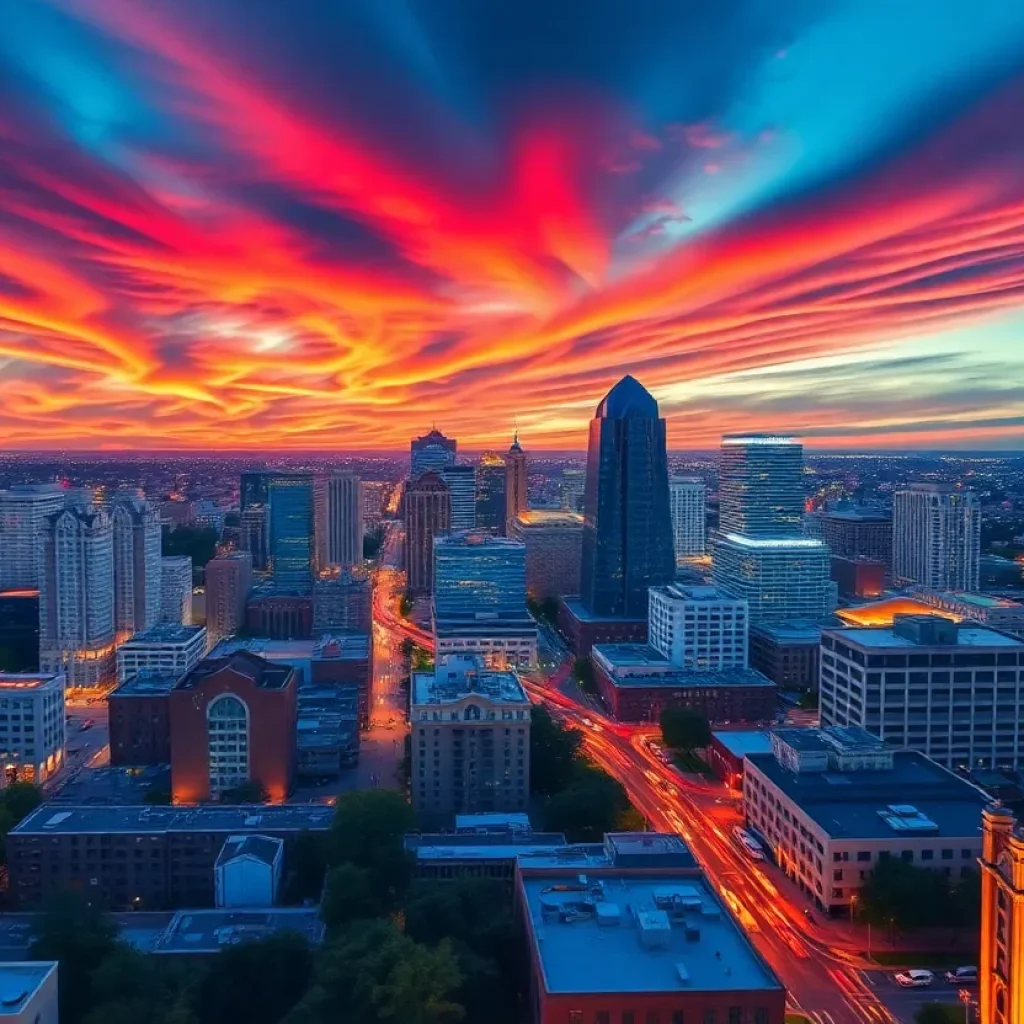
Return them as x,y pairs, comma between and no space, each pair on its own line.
490,492
291,531
431,453
627,529
253,489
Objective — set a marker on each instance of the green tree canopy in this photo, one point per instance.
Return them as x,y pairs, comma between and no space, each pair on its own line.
307,865
684,729
592,804
198,542
905,896
554,752
939,1013
349,896
129,987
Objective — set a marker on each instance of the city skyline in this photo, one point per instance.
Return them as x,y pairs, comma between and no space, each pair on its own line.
483,225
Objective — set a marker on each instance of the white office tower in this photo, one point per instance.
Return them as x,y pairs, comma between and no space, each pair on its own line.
686,495
936,539
698,628
344,520
76,597
138,572
176,590
760,554
23,510
461,482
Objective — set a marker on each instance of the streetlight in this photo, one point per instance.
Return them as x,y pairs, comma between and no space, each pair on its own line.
965,998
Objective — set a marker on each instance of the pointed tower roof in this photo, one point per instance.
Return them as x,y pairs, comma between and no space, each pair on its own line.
628,399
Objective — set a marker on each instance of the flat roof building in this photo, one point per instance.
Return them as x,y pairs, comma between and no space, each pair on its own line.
169,648
33,732
787,653
987,609
140,720
697,627
554,543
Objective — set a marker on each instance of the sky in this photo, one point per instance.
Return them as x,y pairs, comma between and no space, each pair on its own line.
334,223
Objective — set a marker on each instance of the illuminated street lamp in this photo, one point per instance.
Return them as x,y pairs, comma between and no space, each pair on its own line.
965,998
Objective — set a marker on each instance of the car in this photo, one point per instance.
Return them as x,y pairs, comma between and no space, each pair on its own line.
962,976
914,978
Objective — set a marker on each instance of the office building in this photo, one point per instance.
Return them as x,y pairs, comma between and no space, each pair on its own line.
254,529
248,871
19,631
470,739
427,514
479,600
553,540
32,729
342,603
858,533
138,569
572,489
858,577
93,848
344,520
698,627
278,616
24,512
986,609
936,537
176,589
787,653
832,803
637,683
490,493
431,453
761,486
29,992
292,531
169,650
228,582
461,483
233,721
627,528
254,488
319,524
326,730
76,597
375,500
1001,964
517,480
632,930
140,720
954,692
583,630
687,501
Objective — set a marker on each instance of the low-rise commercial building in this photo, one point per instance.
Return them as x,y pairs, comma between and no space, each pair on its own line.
167,649
583,629
637,683
28,993
554,545
952,691
728,749
140,720
279,616
32,726
634,931
698,627
787,653
831,803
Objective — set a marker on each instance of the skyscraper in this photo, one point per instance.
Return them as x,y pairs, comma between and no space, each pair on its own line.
760,486
76,596
254,532
23,510
344,520
427,513
138,572
936,537
176,590
627,528
291,531
228,581
461,482
253,489
686,494
432,452
490,492
517,497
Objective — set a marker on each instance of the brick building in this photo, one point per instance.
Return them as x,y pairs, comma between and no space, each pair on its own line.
582,629
140,720
279,616
787,653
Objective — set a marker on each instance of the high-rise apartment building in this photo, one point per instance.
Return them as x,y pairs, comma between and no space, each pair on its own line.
228,582
461,483
698,627
517,473
490,492
858,533
176,589
32,725
427,513
936,537
24,510
1001,964
254,530
292,531
687,498
761,486
344,520
470,739
138,570
431,453
76,596
254,488
554,546
627,529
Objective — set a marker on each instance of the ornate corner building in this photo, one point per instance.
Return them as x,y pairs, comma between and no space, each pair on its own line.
1001,974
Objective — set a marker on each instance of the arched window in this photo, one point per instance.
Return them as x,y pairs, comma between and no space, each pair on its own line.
227,730
472,713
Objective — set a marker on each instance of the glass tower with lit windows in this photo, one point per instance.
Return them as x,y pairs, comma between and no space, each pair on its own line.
291,531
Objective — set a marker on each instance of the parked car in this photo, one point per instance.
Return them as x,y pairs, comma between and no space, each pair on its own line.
962,976
914,979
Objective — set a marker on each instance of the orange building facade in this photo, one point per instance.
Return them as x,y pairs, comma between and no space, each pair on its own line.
1001,970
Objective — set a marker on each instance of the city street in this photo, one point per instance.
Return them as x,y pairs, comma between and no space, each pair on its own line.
88,746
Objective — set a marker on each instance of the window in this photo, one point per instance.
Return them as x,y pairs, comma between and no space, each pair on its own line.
677,1017
652,1017
227,730
602,1017
907,856
627,1017
927,855
735,1015
864,856
947,854
966,854
837,876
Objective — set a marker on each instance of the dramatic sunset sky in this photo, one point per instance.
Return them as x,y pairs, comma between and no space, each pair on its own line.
331,223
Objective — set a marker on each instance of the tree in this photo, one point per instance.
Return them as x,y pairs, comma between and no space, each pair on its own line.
129,986
898,894
939,1013
19,799
81,936
198,542
684,729
256,982
583,673
965,900
404,606
307,865
349,896
554,752
252,791
594,803
157,794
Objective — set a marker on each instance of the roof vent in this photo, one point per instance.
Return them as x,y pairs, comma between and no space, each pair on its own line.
608,915
655,930
692,933
683,974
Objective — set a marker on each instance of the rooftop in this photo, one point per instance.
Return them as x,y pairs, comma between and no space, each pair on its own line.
976,600
740,742
642,665
789,632
886,639
77,820
537,517
628,399
474,538
882,613
851,804
30,680
165,633
150,683
267,675
20,982
458,676
210,931
577,610
263,848
860,515
690,592
506,844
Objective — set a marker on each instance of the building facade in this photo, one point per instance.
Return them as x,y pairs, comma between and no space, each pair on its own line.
490,493
169,650
342,603
32,726
461,483
953,692
138,569
858,577
176,590
279,616
687,498
787,653
254,532
627,528
761,486
936,537
517,480
76,597
292,531
24,512
228,582
140,720
986,609
1000,971
344,520
431,453
858,533
470,739
554,546
427,514
698,627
